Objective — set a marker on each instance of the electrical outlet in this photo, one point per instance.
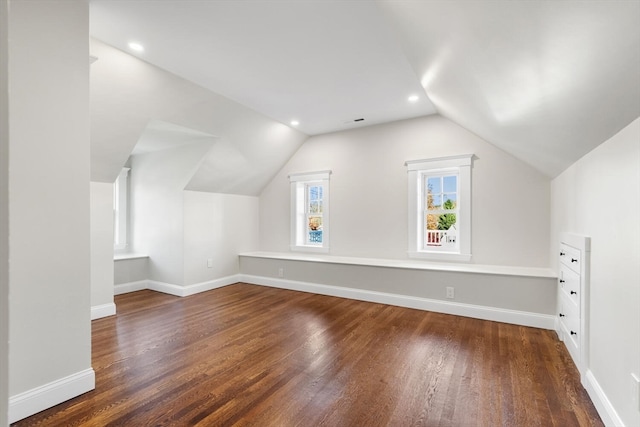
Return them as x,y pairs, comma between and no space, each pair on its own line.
635,391
450,293
209,262
281,272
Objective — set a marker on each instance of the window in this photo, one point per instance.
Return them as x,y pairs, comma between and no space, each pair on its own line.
120,210
440,208
310,211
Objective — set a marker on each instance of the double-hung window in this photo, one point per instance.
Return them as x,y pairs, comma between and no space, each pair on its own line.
440,208
310,211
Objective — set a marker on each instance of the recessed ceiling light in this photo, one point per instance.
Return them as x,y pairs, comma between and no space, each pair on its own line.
136,46
413,98
294,123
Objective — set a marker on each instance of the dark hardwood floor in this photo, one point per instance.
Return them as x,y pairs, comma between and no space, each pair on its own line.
252,355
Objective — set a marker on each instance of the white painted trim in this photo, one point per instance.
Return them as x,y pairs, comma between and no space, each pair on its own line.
177,290
297,202
121,216
440,256
498,270
211,284
604,407
40,398
123,256
536,320
578,241
167,288
309,176
103,310
583,244
439,162
125,288
416,172
309,249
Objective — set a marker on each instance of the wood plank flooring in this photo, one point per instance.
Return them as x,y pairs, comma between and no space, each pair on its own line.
250,355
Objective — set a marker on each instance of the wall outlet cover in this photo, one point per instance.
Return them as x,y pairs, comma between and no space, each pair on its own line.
450,292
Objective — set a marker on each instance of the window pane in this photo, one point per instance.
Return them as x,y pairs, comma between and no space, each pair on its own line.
314,208
432,222
435,203
315,236
315,229
446,221
315,223
433,184
450,184
313,193
429,202
450,201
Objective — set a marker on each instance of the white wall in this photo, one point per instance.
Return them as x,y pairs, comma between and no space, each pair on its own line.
217,227
4,215
49,244
510,200
130,270
599,196
101,244
180,229
530,296
157,182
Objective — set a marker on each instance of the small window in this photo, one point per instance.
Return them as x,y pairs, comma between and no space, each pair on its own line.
440,208
310,211
120,211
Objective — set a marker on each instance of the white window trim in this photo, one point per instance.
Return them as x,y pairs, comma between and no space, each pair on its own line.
298,182
120,217
416,169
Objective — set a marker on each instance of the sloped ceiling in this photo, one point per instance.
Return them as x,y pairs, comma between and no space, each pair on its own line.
159,136
546,81
135,102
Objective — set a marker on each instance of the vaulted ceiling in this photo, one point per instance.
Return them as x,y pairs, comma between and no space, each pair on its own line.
546,81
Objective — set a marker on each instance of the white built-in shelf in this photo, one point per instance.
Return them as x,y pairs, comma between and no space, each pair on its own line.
126,256
410,264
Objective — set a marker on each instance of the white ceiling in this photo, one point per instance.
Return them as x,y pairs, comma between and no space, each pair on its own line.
321,63
160,135
546,81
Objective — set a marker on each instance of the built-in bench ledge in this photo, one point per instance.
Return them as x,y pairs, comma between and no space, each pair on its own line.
409,264
520,295
125,256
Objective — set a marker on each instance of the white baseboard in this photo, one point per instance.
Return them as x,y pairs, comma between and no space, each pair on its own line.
103,310
177,290
536,320
185,291
211,284
604,407
40,398
166,288
125,288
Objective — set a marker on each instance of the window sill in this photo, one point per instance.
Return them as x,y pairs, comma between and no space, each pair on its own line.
126,256
311,249
440,256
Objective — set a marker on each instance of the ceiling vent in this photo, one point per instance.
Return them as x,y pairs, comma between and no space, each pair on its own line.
352,121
